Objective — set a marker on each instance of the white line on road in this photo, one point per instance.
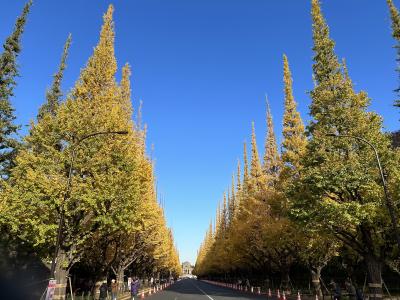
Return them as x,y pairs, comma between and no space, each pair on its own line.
202,291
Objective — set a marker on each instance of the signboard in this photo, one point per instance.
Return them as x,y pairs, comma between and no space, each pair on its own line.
51,289
129,283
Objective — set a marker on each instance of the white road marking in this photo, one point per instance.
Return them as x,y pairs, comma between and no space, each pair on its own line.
202,291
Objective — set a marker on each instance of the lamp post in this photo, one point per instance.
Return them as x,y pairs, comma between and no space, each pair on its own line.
389,202
68,191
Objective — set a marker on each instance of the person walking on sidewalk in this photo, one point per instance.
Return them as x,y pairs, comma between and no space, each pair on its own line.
337,292
351,290
247,284
134,287
103,291
151,282
113,290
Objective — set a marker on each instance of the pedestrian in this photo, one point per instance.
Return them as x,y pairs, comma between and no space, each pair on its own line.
351,290
134,287
114,289
337,293
359,294
247,283
103,291
128,286
151,281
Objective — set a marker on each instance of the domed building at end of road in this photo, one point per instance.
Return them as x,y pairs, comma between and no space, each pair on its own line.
187,269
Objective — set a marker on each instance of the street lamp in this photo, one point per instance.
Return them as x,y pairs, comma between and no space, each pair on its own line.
67,193
389,202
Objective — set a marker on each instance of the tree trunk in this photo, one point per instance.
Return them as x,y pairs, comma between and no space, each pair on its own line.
120,279
285,279
315,277
374,268
61,274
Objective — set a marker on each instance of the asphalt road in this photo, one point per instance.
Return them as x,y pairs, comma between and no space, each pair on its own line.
190,289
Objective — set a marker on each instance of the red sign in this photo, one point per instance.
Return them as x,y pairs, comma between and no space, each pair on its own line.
51,289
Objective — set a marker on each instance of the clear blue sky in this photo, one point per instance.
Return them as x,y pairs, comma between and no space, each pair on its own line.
202,69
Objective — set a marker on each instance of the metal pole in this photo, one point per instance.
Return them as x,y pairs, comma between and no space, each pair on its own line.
70,288
68,191
389,202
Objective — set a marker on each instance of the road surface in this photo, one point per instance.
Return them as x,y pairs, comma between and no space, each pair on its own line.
190,289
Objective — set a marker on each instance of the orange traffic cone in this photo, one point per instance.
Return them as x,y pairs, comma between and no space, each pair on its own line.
298,296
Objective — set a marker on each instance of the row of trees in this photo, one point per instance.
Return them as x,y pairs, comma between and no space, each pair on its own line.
321,199
80,184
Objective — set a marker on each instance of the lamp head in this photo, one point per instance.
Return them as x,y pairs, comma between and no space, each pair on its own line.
122,132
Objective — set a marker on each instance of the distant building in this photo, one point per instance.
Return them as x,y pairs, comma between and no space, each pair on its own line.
187,268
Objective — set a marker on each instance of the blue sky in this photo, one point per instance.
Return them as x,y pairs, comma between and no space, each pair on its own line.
202,69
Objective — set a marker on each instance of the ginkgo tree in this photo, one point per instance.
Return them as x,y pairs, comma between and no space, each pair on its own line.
77,175
341,179
323,197
8,73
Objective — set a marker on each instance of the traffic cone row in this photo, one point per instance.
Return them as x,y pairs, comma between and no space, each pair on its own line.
154,290
254,290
